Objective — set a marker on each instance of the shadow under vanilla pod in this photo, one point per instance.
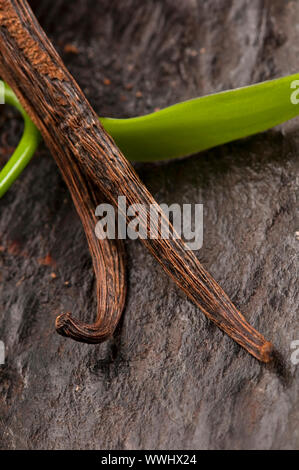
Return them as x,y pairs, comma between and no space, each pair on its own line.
92,165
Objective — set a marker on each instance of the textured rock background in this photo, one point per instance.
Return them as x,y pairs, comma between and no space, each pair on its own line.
169,378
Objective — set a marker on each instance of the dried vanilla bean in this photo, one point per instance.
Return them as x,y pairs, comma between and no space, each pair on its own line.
70,127
108,262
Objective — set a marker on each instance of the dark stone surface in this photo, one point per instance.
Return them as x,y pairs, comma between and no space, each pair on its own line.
169,378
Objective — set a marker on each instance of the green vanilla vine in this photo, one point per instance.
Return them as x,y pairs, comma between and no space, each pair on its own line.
179,130
26,147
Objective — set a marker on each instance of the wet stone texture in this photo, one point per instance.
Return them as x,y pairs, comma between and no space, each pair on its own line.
169,378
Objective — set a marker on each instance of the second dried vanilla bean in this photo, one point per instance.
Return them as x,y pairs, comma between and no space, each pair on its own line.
73,133
108,262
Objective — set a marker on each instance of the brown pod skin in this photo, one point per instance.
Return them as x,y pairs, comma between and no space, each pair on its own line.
108,257
108,262
71,129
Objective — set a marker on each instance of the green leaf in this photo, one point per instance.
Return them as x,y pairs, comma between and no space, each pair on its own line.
182,129
201,123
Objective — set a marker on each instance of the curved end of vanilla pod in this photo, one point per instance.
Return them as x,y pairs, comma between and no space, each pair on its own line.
254,342
229,319
266,352
261,350
257,345
69,327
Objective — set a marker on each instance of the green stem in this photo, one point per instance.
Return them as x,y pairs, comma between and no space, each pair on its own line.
182,129
25,149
